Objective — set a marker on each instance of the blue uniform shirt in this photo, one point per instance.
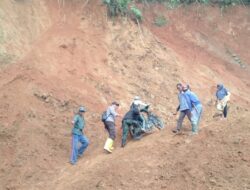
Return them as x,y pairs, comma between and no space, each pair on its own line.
79,124
221,92
192,99
183,102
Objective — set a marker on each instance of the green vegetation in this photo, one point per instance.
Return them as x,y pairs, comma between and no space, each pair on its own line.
121,7
117,7
226,2
160,21
136,13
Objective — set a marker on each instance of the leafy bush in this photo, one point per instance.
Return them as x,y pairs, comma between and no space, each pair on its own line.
174,3
160,21
136,13
117,7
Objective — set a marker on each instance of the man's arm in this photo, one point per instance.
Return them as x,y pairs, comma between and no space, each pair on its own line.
74,121
113,112
177,109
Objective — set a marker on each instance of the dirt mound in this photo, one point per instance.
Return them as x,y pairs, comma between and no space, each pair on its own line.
81,57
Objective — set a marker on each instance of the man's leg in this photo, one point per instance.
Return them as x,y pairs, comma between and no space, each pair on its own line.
112,134
125,129
85,142
180,121
195,119
137,130
225,111
74,149
199,116
111,130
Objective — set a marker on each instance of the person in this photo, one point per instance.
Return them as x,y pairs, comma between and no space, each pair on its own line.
196,108
222,99
78,136
131,118
109,124
183,107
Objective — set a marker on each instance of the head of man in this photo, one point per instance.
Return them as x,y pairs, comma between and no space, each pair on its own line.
81,110
115,104
137,98
179,87
185,87
219,86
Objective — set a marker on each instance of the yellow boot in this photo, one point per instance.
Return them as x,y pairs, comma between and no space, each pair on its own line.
111,145
108,144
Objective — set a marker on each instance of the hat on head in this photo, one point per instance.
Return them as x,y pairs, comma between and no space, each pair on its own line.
82,109
137,98
115,103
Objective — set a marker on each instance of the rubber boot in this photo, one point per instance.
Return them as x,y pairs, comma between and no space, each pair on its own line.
108,144
123,142
194,129
111,147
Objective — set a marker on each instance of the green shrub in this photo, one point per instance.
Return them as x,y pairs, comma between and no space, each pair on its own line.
117,7
160,21
175,3
136,13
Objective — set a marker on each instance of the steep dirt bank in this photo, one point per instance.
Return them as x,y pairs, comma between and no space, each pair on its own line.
21,23
211,46
84,59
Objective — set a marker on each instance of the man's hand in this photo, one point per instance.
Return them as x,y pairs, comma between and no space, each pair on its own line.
175,113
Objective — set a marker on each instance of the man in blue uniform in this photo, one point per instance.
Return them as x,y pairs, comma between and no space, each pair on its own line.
184,108
195,107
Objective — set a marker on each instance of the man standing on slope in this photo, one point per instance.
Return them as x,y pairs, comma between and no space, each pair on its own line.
196,108
109,124
223,97
183,107
78,136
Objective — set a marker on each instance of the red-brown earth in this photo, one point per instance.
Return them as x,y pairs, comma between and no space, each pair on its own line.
57,55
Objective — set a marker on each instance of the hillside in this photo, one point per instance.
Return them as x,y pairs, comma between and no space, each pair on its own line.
63,54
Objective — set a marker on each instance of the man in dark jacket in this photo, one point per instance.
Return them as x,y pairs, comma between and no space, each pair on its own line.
131,118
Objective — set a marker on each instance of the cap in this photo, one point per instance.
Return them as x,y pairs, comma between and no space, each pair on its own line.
82,109
137,98
115,103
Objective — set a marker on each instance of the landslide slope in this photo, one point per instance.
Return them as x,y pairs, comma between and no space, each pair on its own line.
83,58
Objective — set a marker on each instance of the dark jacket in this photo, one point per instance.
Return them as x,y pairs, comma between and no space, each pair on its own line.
133,114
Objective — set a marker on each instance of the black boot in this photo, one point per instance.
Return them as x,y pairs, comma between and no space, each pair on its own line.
123,143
